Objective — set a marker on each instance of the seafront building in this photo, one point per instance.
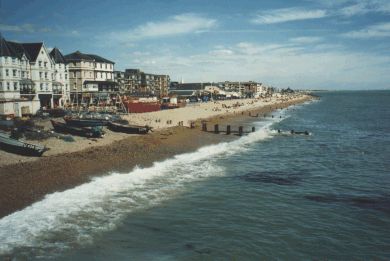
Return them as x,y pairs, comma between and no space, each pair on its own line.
135,82
90,74
221,90
28,76
61,88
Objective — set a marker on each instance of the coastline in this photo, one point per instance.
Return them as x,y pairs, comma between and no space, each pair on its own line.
25,182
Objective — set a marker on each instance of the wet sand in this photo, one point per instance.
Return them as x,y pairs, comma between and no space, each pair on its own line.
26,182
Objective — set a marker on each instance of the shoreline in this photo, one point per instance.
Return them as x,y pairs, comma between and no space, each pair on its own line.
23,183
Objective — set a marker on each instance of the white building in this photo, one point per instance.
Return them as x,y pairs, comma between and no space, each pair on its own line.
90,73
27,77
61,87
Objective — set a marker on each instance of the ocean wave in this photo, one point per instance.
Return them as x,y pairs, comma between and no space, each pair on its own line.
71,218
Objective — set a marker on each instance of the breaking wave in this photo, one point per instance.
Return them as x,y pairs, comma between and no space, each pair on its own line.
71,218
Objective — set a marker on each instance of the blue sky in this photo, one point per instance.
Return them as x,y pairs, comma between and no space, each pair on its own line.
339,44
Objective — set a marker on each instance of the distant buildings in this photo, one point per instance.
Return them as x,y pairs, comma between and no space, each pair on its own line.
30,78
137,83
225,89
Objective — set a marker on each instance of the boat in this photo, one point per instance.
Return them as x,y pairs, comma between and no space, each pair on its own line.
13,145
141,107
127,128
89,132
85,122
55,112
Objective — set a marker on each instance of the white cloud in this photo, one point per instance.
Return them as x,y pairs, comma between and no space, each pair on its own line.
287,14
175,25
306,40
28,28
366,6
373,31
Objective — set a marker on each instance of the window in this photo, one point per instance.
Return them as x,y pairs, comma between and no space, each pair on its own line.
14,73
40,63
45,75
7,86
66,76
100,65
47,87
40,75
41,86
6,59
74,64
45,64
66,86
90,74
74,74
6,72
105,65
15,86
13,59
74,86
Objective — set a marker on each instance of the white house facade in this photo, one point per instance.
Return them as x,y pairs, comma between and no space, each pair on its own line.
27,77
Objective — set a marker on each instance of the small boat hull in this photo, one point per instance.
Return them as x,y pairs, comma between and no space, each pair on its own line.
20,147
85,122
129,129
89,132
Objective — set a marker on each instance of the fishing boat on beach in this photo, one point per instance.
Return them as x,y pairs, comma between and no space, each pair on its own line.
129,129
13,145
86,121
89,132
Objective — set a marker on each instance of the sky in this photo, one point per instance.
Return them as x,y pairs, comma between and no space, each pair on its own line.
302,44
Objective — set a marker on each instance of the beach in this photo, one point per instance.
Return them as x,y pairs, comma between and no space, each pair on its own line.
25,180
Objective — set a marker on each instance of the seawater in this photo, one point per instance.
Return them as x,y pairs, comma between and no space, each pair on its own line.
262,196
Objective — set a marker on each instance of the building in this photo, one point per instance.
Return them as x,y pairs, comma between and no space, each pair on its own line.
90,73
137,83
27,77
61,88
247,89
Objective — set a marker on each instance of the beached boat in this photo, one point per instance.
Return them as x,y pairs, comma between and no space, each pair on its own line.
89,132
130,129
85,122
10,144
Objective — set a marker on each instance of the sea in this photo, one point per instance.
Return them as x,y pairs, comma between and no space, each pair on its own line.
264,196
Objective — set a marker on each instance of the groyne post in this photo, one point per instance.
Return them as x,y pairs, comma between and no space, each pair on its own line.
240,130
216,129
204,126
228,130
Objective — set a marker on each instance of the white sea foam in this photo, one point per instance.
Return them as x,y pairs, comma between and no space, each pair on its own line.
72,217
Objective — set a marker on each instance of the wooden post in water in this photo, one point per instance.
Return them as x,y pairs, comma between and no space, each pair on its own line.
216,129
204,126
253,129
228,131
240,130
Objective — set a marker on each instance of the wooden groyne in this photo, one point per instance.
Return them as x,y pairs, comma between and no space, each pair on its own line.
228,130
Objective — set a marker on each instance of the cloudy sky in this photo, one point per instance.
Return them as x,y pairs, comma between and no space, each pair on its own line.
332,44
